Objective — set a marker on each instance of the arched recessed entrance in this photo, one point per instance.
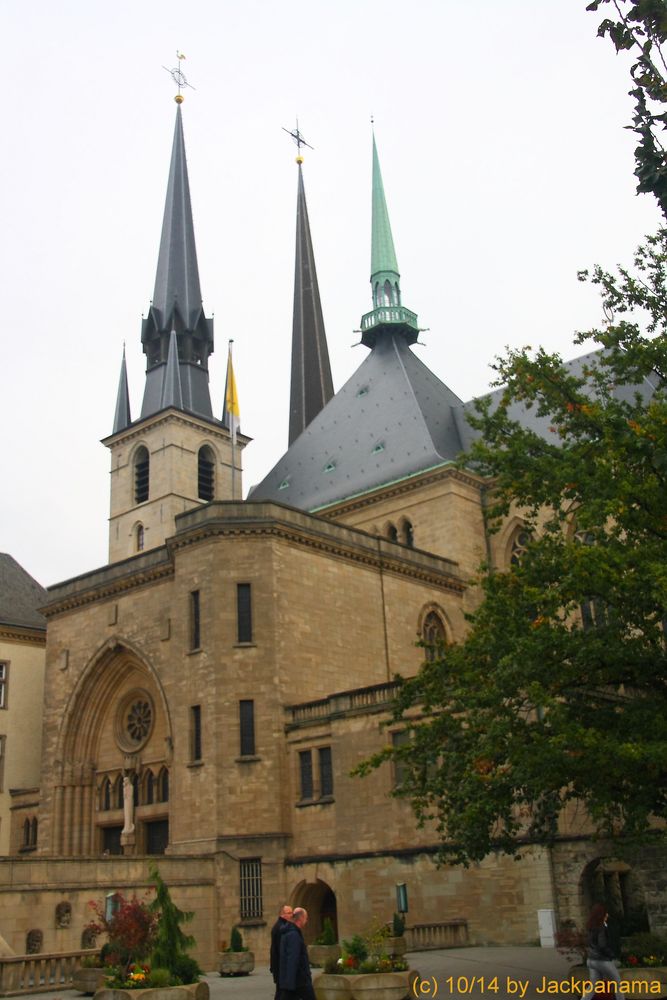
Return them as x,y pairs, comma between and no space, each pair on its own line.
614,883
320,901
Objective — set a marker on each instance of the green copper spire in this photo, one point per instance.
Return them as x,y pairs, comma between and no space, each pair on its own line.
388,314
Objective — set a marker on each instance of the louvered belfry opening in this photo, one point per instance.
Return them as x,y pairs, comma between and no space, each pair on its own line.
141,475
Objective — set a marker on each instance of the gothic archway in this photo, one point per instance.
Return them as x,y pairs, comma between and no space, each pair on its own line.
615,884
320,901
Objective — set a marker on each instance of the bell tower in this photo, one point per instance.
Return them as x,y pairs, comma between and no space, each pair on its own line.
177,454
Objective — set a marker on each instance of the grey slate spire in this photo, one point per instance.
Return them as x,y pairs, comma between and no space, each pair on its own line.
177,303
122,418
172,394
311,384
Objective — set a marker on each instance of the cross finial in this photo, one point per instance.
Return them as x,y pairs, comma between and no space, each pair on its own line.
179,78
299,140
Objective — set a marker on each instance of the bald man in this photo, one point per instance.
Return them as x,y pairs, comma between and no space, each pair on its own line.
294,978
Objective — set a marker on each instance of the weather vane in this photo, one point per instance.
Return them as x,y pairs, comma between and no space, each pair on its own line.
178,76
299,140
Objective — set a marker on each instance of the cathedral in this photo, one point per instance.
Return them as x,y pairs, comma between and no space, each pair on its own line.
210,689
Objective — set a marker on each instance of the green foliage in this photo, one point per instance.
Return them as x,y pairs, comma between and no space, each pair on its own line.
397,925
170,941
328,935
131,931
236,941
641,947
640,27
356,949
540,707
160,978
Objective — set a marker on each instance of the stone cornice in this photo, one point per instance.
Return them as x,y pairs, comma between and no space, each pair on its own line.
399,488
110,581
171,415
266,518
22,633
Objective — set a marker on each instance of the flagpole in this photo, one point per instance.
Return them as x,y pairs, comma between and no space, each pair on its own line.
233,427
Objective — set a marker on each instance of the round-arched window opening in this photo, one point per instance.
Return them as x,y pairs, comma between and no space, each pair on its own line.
134,720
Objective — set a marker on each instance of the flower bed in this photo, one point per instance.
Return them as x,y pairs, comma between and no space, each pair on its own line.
195,991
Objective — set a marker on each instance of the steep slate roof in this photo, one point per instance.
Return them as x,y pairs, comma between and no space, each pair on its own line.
391,419
311,384
20,595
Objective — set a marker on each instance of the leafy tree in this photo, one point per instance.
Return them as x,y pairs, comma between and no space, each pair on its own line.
640,26
557,698
130,929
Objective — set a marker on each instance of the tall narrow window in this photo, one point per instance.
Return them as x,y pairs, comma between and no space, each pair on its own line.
434,636
250,873
4,672
140,538
141,475
306,774
326,771
106,794
400,739
195,620
195,732
206,474
247,728
163,785
244,612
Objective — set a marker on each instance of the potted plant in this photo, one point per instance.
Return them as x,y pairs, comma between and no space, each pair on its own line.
644,958
146,948
395,942
90,975
365,973
236,960
325,947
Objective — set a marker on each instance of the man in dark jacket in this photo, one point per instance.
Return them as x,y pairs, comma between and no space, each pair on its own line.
284,918
294,977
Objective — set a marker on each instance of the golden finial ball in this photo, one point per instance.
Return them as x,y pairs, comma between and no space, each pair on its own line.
299,160
179,98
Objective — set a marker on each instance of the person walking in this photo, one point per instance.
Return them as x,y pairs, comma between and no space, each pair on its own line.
284,918
600,959
295,979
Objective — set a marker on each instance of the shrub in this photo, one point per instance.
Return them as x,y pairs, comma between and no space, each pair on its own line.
186,969
171,944
356,949
328,935
646,949
236,941
159,978
572,943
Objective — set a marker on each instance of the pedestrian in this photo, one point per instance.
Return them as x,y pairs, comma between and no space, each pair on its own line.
600,959
294,977
284,918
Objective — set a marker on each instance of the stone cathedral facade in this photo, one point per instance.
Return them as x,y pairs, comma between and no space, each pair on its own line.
209,690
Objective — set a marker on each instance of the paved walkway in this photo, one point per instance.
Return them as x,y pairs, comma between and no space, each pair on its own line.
451,974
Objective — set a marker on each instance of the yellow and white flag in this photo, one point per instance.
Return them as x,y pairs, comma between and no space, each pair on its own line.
231,416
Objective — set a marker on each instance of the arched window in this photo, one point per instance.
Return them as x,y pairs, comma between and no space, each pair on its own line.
33,832
392,533
141,475
118,792
407,533
434,636
149,788
520,542
594,611
105,797
163,785
206,474
388,293
140,538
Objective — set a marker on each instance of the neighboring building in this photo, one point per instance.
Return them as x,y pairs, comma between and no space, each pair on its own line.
209,691
22,642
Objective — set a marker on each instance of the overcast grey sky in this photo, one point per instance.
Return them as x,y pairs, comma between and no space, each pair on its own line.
500,129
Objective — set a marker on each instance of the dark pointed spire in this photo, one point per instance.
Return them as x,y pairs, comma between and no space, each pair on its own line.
311,385
122,418
172,394
177,302
388,312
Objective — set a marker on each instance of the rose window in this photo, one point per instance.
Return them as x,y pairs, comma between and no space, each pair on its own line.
139,719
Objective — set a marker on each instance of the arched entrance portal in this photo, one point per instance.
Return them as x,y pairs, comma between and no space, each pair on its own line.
614,883
320,901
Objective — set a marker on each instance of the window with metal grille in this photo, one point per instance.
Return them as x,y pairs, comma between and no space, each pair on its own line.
195,620
306,774
244,612
247,728
4,672
141,475
195,732
250,872
326,771
206,474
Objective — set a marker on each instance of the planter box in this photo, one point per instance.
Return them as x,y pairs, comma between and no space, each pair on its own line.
195,991
657,973
320,954
366,986
89,980
236,963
